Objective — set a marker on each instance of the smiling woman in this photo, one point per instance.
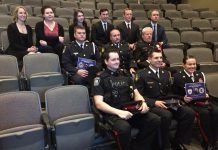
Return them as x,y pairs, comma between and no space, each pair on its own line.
20,36
49,34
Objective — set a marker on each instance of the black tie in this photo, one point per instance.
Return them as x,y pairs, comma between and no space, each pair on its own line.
157,74
192,78
128,28
81,45
155,32
105,27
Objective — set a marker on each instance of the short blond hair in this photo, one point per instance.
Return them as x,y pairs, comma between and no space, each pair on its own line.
16,11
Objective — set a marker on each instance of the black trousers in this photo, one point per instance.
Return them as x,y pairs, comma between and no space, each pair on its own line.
148,125
185,117
208,115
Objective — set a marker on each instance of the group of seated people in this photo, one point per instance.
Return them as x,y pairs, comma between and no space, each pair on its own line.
107,66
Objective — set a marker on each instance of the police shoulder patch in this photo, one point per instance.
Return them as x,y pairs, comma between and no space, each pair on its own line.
96,81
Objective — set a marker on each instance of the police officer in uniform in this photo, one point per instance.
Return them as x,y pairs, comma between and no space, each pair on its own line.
111,90
207,111
83,49
154,83
140,54
122,47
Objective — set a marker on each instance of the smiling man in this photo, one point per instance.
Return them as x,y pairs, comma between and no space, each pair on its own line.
111,90
154,83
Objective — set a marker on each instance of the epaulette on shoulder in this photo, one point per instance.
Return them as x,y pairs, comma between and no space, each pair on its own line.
124,72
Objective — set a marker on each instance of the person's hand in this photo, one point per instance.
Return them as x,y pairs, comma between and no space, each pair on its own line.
187,99
132,71
61,39
144,108
125,114
160,104
32,49
132,46
82,72
43,43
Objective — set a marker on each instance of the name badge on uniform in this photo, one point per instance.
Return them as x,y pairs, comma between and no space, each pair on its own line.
76,53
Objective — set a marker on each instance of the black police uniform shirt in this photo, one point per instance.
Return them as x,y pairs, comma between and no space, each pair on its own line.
124,53
140,54
73,51
181,78
116,87
152,87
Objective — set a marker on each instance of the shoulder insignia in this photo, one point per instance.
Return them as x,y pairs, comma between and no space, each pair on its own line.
96,81
136,77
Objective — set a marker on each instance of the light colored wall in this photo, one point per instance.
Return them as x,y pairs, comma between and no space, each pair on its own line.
211,4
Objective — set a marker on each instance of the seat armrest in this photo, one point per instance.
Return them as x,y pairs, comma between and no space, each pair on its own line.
46,123
66,75
23,82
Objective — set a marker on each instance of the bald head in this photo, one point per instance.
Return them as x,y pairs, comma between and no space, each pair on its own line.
147,34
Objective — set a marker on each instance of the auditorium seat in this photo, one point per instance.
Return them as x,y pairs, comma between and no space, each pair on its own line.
4,9
184,7
9,74
190,14
64,12
211,83
66,4
182,25
69,112
42,72
32,3
21,127
205,58
201,25
174,40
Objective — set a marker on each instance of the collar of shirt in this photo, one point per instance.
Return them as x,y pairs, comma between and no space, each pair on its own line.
189,75
158,70
152,24
127,24
80,43
103,23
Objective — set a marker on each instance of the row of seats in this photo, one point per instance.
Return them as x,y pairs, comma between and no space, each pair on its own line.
40,72
202,54
66,124
75,3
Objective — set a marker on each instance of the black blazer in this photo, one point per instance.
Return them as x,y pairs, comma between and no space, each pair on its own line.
134,34
40,35
98,36
161,35
17,46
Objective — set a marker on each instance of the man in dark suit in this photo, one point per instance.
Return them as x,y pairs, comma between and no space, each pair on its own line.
159,35
129,31
100,33
154,84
